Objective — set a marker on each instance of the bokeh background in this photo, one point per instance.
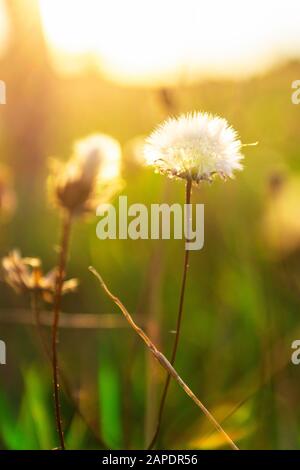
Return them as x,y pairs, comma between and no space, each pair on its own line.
76,67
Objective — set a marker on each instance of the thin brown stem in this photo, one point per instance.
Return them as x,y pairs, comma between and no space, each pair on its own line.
178,326
163,361
65,383
61,267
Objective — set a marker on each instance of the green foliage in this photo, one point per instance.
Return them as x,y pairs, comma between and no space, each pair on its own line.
242,301
109,402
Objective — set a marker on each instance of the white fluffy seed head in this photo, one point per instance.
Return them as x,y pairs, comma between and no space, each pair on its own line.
98,153
194,146
94,166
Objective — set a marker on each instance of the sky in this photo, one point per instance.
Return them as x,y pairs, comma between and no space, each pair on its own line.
157,41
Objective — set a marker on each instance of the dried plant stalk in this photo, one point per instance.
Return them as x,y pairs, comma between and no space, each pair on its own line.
65,383
61,266
163,361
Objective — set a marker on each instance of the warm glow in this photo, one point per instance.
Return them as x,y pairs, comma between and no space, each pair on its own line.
4,27
160,41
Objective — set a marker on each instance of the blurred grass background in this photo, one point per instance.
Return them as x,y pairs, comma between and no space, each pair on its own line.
243,294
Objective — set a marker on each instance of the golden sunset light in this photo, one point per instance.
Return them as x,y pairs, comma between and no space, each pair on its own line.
156,42
149,231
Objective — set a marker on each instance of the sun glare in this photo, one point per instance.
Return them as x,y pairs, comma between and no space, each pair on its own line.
4,27
154,41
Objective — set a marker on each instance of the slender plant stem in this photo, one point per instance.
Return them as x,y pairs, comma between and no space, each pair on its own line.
163,361
61,266
179,321
65,383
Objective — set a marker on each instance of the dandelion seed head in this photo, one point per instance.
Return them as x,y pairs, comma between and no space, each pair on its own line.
194,146
94,164
98,152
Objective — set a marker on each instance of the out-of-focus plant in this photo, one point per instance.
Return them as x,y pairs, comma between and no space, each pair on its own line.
7,194
91,175
29,427
26,275
281,221
195,148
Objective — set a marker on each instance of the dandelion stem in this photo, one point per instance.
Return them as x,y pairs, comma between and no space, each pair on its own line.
179,321
163,361
61,266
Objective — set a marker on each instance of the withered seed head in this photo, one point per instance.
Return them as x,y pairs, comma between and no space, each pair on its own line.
26,275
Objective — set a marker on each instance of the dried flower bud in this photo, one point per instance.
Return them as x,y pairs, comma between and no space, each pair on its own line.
26,275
